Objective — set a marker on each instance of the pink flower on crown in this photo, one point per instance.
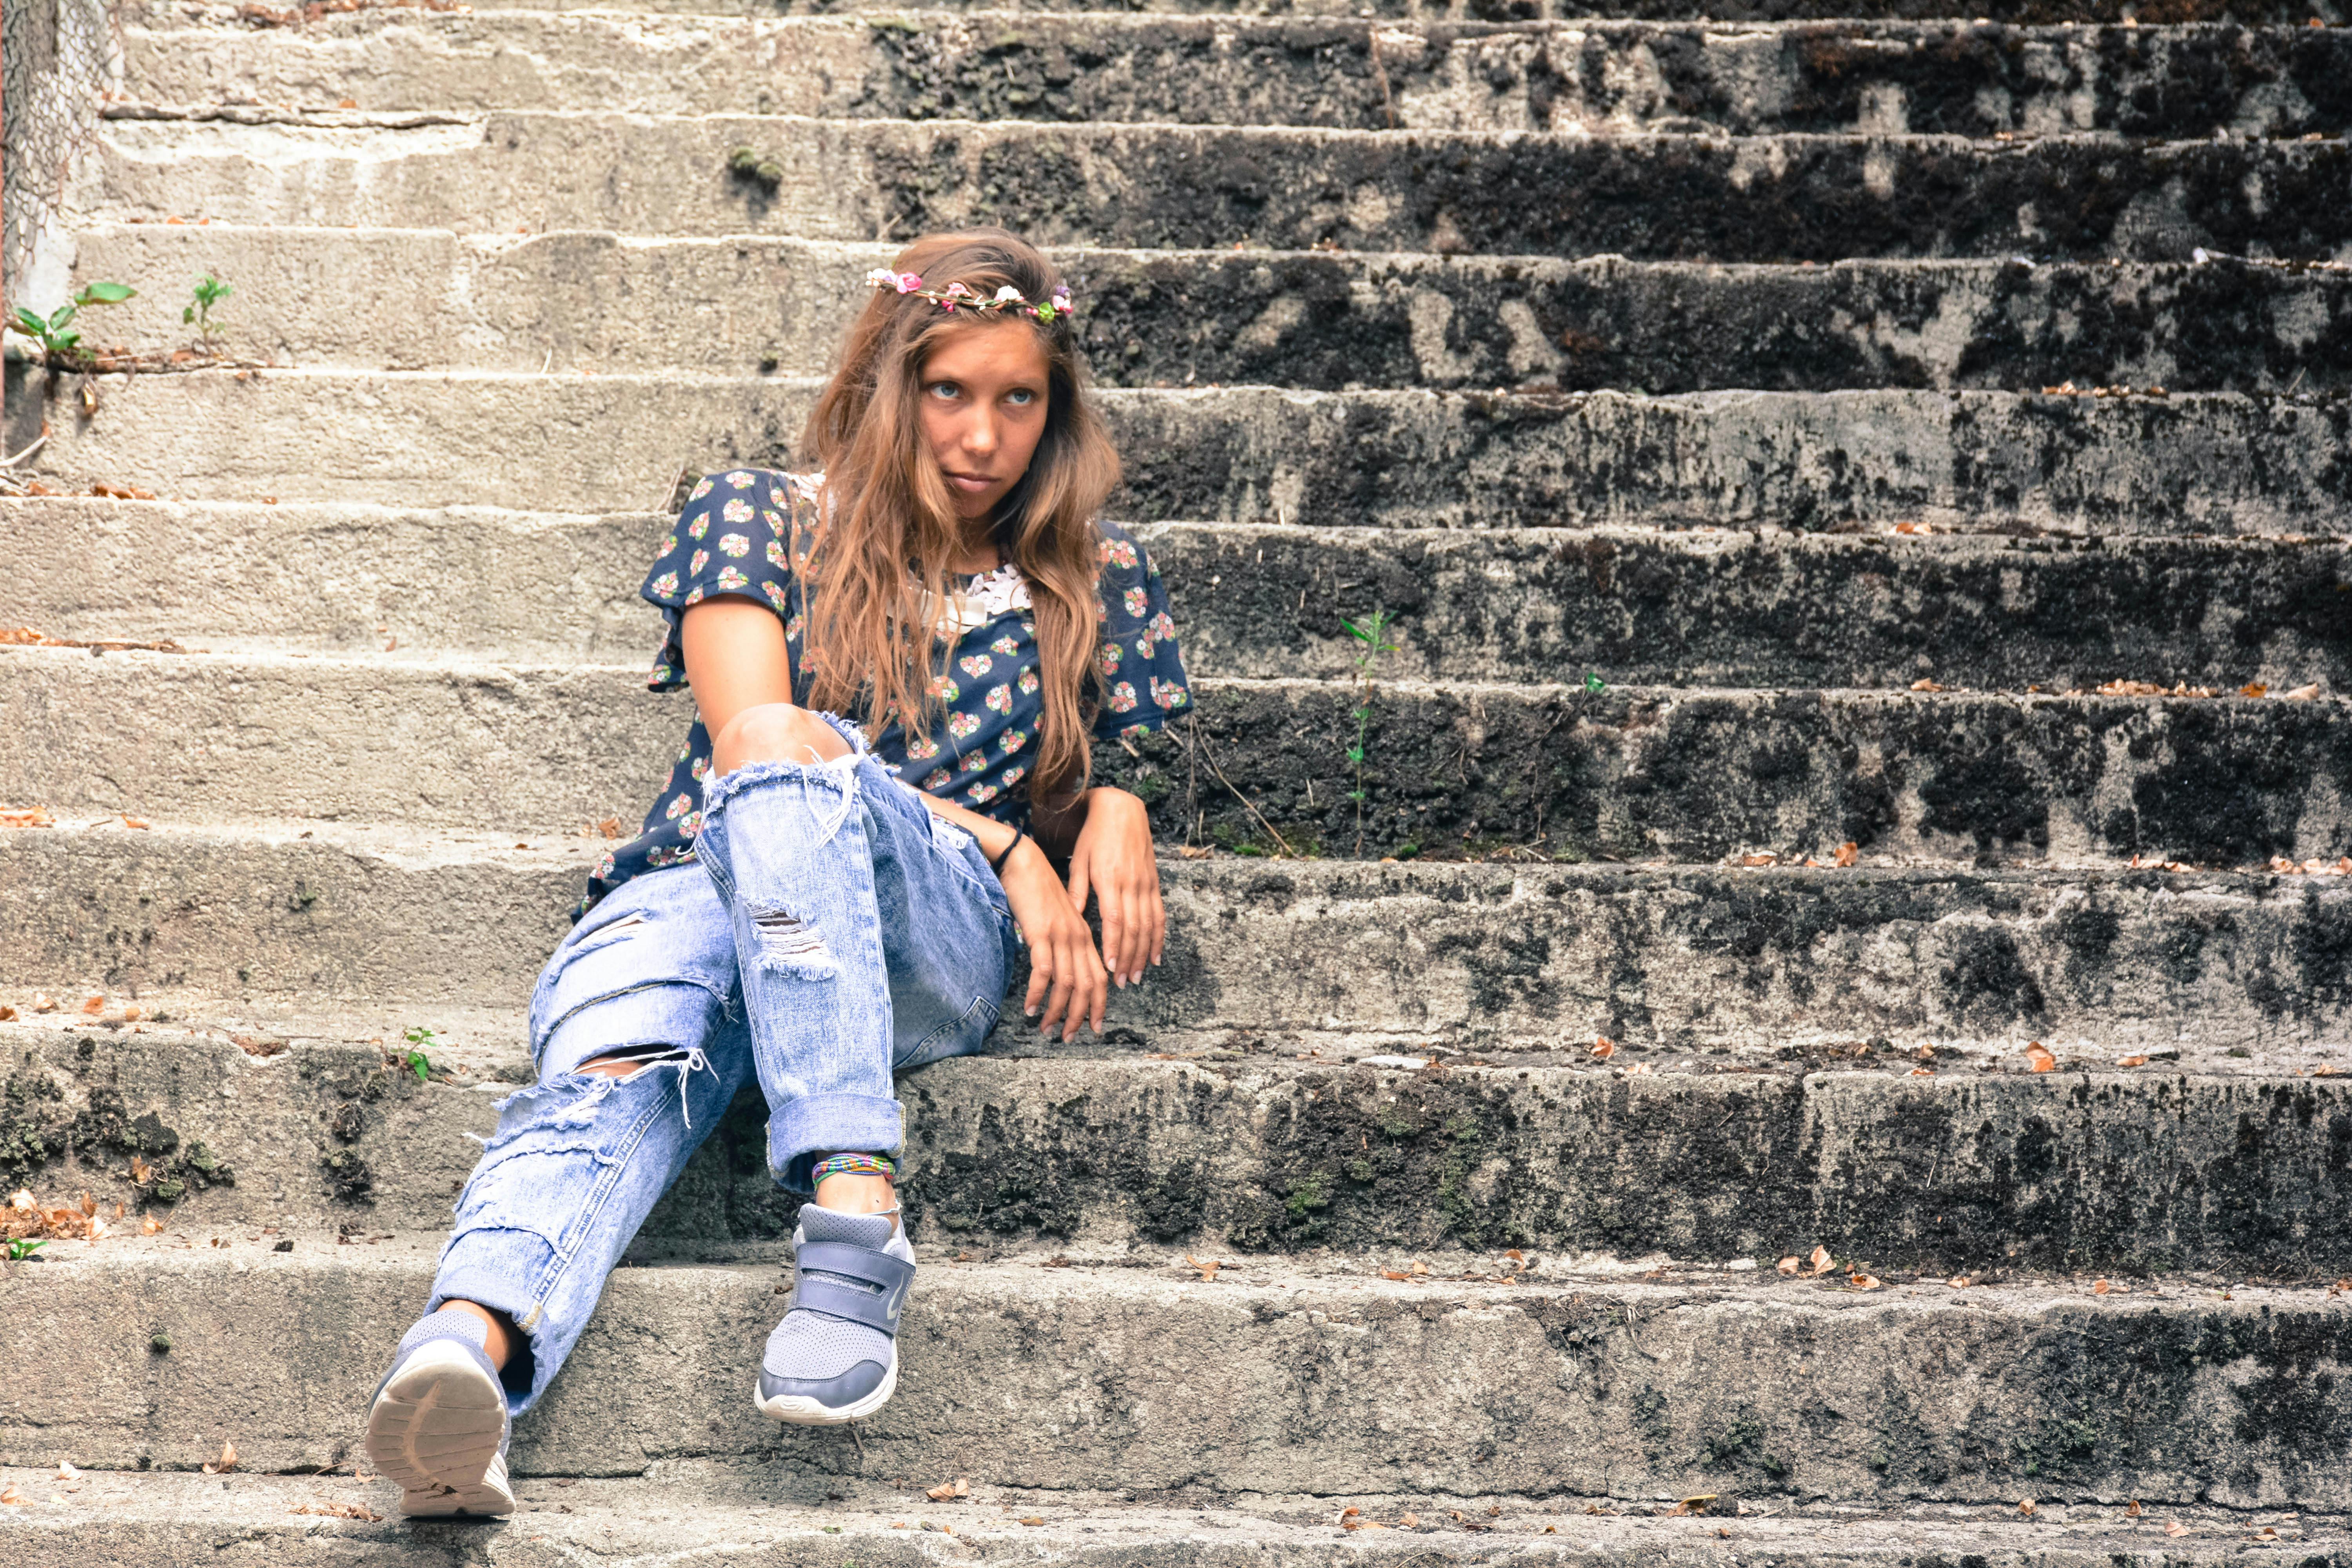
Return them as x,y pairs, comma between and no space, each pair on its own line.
904,282
956,291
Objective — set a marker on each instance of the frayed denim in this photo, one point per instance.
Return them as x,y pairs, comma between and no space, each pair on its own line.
788,953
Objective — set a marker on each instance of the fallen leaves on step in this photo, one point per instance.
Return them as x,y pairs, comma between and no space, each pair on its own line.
66,1472
1033,1521
151,1225
2150,689
26,637
358,1510
1847,853
1604,1047
2040,1057
1959,1282
1822,1261
2025,1509
25,816
1789,1264
93,1004
13,1497
1194,851
2100,1288
2133,1511
2175,1529
1208,1270
2132,1062
1924,684
225,1463
1408,1522
7,1015
1860,1281
2342,867
947,1490
257,1045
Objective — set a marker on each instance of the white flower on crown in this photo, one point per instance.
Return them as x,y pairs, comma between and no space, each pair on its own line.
1008,292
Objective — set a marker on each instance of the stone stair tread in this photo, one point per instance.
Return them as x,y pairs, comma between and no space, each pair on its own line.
1886,76
1136,1372
1305,318
2209,463
1641,605
1473,956
1686,773
1785,196
713,1511
1273,1148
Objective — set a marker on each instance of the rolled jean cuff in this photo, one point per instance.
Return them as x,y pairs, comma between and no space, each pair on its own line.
804,1130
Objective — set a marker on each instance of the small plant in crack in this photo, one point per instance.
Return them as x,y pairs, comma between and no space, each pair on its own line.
209,292
20,1249
746,163
61,347
1374,636
420,1040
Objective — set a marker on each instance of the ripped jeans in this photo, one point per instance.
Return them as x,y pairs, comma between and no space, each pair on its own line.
833,931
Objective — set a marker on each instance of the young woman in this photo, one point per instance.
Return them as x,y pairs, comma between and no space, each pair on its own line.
808,905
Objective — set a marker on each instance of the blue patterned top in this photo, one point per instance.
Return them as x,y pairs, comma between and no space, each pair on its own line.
736,536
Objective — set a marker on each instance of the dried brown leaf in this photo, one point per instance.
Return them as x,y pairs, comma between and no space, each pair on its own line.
1604,1047
358,1510
1847,853
1408,1522
2132,1062
7,1015
2175,1529
1033,1521
94,1004
1208,1270
1924,684
2301,693
2133,1511
1822,1261
1858,1281
947,1490
225,1463
2100,1288
27,816
2039,1056
1789,1265
1394,1274
42,1003
2256,690
2025,1509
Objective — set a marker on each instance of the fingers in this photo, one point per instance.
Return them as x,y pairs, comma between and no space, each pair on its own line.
1117,939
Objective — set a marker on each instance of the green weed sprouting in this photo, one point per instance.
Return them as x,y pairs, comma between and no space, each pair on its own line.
417,1061
60,344
20,1249
1373,633
209,292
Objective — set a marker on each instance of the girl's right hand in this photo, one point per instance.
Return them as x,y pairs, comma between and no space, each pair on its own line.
1066,974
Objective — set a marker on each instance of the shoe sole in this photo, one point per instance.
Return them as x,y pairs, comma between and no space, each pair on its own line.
800,1410
434,1431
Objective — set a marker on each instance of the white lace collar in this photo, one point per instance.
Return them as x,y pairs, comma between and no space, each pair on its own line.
975,603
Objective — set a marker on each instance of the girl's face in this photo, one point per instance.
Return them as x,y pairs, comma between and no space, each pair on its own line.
983,404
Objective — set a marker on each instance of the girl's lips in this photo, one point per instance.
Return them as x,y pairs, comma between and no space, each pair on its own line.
972,483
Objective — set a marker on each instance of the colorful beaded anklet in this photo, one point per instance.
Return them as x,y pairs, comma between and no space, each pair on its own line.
854,1165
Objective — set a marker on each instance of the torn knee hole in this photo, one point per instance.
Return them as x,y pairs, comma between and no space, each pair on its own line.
629,1060
786,935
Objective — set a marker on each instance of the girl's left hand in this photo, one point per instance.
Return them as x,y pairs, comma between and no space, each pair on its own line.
1113,856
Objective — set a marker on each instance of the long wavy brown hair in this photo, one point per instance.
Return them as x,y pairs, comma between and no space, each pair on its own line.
889,532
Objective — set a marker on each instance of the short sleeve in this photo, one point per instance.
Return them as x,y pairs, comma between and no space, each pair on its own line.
734,537
1142,673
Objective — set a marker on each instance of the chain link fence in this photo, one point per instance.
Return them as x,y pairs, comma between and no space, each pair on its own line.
58,56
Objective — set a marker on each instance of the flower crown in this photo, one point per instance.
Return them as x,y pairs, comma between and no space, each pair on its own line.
955,294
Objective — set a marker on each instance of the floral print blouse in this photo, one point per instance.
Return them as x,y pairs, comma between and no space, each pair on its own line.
736,535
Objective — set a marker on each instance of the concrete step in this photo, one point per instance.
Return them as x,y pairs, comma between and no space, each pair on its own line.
418,299
2010,13
1781,198
782,1518
1638,605
1985,1164
1451,767
1995,461
1925,77
1319,1379
1475,957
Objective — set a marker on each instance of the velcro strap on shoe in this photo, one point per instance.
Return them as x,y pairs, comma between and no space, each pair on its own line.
870,1288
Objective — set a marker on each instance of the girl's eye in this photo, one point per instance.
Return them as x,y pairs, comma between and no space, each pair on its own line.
1020,397
945,389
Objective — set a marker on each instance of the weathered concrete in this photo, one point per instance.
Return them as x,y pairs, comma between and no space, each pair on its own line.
1783,198
1977,461
1944,79
1092,1377
1634,772
1637,606
1471,956
787,1514
1323,321
2136,1170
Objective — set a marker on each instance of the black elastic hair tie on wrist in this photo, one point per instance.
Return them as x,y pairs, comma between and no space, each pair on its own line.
997,865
